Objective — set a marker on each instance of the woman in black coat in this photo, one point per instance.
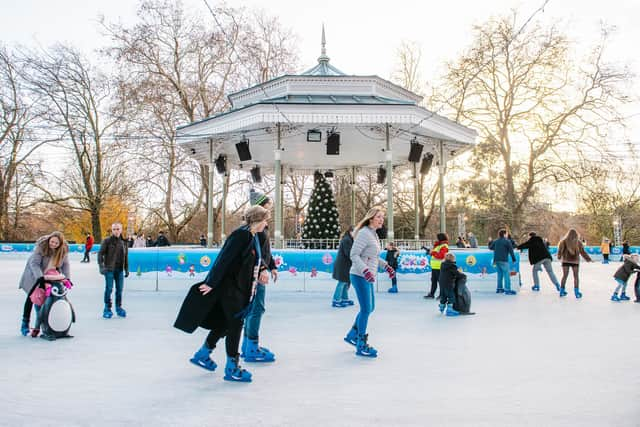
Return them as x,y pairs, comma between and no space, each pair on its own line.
221,302
341,270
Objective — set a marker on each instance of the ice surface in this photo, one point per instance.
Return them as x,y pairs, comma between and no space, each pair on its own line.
533,360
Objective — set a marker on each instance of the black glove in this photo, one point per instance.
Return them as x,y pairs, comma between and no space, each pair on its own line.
126,274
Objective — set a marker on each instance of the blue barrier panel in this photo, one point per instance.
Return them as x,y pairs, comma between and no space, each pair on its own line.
28,247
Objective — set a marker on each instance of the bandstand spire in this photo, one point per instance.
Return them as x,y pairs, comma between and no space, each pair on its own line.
323,52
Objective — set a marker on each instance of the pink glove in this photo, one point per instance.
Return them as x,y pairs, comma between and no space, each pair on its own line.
67,283
368,276
390,271
47,291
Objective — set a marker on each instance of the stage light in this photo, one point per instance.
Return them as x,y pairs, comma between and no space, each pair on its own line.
426,163
255,174
314,135
333,144
221,164
382,175
416,151
242,148
328,174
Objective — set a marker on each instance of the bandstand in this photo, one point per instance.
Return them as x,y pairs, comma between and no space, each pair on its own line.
324,119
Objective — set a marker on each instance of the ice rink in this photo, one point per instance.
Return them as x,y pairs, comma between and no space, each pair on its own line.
532,359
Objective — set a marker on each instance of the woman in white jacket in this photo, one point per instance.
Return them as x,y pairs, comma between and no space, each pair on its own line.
365,259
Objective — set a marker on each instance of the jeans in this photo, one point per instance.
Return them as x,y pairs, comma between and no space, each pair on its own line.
537,267
109,278
364,292
86,256
503,275
342,292
622,285
252,322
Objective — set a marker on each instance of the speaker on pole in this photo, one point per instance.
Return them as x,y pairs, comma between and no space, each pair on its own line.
242,148
426,163
382,175
333,144
415,152
221,164
256,175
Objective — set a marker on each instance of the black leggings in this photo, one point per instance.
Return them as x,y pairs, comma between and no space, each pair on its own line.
435,275
565,274
636,287
230,325
28,305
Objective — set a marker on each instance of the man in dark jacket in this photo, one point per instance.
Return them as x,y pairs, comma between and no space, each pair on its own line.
502,249
162,240
539,257
114,265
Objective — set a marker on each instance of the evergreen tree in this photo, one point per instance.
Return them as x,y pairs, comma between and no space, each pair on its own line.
322,215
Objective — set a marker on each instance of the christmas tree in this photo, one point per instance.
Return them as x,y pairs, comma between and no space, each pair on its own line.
322,215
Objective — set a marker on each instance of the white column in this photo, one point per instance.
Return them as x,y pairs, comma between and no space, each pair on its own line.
441,172
210,198
278,192
416,189
389,158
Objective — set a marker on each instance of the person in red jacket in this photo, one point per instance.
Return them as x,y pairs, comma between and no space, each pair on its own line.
87,248
440,249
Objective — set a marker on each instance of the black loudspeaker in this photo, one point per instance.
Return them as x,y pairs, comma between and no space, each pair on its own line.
333,144
221,164
242,148
255,174
426,163
382,175
415,152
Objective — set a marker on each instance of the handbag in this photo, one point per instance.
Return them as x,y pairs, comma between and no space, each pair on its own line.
38,296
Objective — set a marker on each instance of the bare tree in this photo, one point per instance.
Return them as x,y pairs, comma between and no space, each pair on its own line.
176,69
407,72
527,97
76,101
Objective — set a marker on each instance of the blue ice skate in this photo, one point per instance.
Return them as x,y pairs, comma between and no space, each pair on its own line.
352,337
121,312
451,312
393,289
202,358
535,288
347,302
441,307
557,287
563,293
338,304
363,349
107,313
624,297
577,293
510,292
254,353
500,291
615,298
24,327
234,372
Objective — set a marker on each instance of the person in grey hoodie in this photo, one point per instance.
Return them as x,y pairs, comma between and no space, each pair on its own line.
365,260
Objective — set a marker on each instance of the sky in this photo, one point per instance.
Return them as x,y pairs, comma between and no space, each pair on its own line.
362,36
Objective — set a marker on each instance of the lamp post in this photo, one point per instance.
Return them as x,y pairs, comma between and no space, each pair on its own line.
617,230
131,222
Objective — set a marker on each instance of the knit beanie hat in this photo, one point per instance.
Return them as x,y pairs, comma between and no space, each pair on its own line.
257,198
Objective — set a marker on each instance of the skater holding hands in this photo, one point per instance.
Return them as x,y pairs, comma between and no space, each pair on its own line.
630,265
570,249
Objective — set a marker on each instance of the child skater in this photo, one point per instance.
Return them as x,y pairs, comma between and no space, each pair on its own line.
631,265
392,260
447,281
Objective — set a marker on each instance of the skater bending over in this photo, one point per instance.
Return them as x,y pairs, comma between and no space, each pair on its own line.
222,300
630,265
570,249
365,259
341,270
539,256
51,253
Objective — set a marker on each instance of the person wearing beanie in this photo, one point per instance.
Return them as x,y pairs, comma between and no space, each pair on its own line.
251,350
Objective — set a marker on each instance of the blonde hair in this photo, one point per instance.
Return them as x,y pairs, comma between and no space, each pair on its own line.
368,217
254,214
57,255
571,242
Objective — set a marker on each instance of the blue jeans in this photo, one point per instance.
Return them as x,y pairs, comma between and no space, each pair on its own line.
342,292
364,292
109,278
252,322
537,267
503,275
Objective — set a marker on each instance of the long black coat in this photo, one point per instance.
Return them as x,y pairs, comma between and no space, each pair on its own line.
343,261
537,249
231,278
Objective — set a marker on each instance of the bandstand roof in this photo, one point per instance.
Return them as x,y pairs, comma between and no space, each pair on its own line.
323,98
